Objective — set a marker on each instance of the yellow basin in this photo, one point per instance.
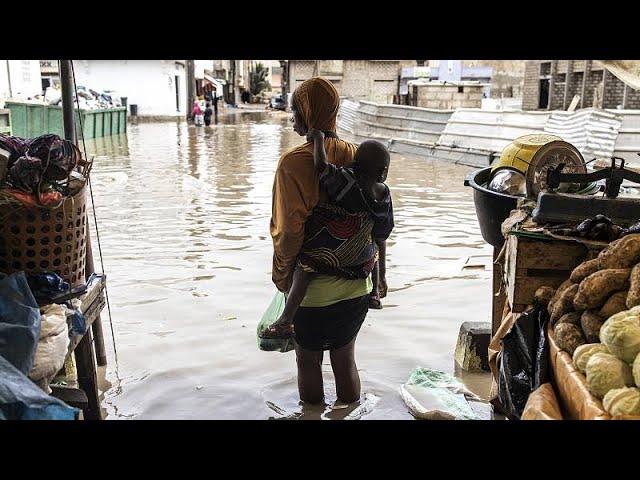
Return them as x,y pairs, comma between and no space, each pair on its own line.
518,154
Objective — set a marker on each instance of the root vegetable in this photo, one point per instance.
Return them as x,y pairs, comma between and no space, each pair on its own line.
564,304
585,269
597,287
633,298
615,304
568,337
591,321
623,253
544,295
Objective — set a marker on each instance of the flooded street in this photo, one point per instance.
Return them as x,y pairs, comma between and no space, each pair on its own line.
184,225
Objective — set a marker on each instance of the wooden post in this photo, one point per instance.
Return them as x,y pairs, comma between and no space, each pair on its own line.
497,299
87,378
567,81
552,82
625,93
191,86
585,76
96,327
68,116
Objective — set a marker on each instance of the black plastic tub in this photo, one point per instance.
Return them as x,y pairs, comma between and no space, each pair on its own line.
492,208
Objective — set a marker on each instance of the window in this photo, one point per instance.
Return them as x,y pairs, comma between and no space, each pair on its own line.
460,89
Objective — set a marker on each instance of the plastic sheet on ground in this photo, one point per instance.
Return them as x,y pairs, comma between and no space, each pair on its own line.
433,395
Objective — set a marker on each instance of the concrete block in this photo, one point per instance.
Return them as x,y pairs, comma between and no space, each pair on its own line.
472,349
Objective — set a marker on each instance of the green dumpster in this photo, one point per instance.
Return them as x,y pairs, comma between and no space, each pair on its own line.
5,121
33,119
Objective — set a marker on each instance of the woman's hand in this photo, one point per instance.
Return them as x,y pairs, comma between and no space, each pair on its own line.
382,285
314,134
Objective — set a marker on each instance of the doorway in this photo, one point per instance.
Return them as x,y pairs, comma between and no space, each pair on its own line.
543,101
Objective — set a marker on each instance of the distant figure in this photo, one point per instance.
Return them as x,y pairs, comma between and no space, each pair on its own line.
215,102
197,114
207,114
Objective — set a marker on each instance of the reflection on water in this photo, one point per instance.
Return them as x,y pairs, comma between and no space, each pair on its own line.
184,224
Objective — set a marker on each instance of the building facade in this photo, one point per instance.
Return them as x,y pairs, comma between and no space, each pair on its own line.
372,80
157,87
19,79
552,84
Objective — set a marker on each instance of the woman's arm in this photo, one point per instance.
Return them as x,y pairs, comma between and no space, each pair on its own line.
295,193
319,153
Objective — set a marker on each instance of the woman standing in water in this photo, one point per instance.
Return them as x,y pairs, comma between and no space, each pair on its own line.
333,309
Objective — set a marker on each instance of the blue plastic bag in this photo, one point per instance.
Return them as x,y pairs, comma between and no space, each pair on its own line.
19,322
21,399
273,312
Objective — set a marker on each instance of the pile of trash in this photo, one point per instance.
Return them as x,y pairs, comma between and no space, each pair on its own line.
88,98
42,170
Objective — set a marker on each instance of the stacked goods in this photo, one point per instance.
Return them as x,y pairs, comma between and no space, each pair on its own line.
596,319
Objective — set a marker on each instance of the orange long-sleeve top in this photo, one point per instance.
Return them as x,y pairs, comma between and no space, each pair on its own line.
296,191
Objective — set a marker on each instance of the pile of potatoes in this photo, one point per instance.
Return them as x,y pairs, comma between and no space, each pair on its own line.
596,290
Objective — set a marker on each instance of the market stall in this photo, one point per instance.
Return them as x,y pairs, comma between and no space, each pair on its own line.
566,340
50,297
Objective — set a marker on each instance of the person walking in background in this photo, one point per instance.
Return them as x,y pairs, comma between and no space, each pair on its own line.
214,102
197,114
207,114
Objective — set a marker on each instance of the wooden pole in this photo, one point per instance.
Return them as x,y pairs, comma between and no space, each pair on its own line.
68,114
625,93
84,353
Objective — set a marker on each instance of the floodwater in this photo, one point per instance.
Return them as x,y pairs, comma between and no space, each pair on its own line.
183,217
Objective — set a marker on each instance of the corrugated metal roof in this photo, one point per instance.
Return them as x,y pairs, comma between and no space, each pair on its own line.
591,131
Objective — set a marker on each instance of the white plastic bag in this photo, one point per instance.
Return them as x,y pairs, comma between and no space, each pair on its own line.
433,395
52,347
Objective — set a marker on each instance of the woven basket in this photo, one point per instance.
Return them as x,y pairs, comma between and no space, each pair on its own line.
37,239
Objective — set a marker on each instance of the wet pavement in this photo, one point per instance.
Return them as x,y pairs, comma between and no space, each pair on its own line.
184,215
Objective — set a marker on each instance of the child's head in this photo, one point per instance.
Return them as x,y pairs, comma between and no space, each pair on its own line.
208,104
371,161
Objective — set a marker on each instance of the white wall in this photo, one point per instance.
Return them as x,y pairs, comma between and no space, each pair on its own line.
150,84
25,79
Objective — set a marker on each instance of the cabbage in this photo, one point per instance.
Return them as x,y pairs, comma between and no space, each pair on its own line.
584,352
636,370
621,333
605,372
622,401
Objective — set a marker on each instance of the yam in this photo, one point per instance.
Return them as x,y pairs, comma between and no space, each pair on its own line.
617,303
564,304
597,287
623,253
559,291
591,321
568,337
571,317
633,298
544,295
585,269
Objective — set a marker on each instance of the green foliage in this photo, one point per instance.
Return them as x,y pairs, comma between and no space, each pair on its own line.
258,80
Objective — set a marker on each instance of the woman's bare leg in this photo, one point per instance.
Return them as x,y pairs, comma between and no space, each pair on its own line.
310,386
343,363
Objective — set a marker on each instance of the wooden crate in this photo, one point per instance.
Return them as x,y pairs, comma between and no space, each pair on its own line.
532,263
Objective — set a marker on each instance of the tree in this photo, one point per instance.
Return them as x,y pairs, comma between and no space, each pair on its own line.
258,79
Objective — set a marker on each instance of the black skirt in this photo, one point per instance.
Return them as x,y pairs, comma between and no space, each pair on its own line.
330,327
